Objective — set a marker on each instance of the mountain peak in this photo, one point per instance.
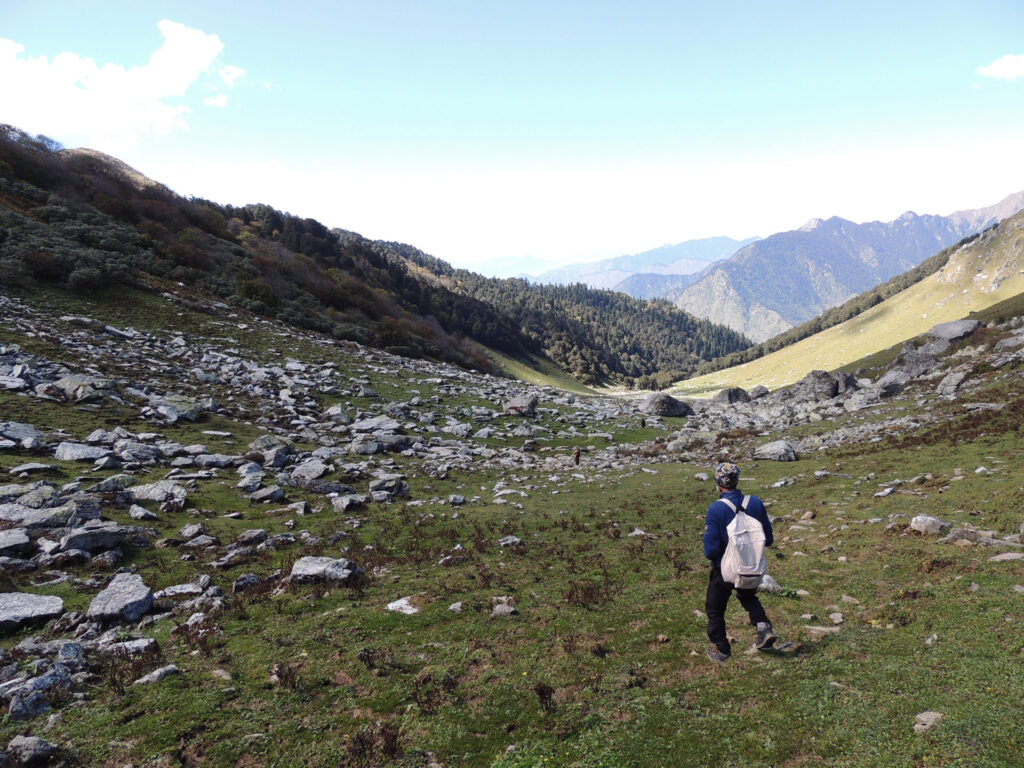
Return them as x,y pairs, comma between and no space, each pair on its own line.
811,225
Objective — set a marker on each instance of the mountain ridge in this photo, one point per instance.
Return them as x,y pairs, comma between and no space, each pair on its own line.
788,278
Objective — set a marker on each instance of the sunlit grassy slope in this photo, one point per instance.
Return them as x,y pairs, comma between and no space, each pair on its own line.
539,371
982,273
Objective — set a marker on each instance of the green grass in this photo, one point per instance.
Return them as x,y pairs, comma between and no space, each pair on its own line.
604,665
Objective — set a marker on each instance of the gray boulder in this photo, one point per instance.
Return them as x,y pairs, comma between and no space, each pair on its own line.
19,433
349,501
816,385
318,570
662,404
26,705
732,395
273,493
31,750
955,330
916,363
892,383
126,598
779,450
75,512
160,491
338,414
95,538
951,383
393,484
20,608
521,405
308,471
932,526
80,452
14,542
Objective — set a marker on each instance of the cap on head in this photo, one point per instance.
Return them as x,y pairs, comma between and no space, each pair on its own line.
727,474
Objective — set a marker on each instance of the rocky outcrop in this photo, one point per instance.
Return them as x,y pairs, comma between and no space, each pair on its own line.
662,404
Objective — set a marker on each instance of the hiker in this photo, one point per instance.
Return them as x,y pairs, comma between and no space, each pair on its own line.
576,455
716,538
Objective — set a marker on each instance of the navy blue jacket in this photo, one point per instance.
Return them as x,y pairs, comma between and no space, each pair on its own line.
720,515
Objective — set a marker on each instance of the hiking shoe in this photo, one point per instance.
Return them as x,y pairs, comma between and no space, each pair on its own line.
718,657
765,636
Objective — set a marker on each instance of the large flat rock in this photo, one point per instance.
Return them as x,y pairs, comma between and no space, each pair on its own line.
316,570
19,608
126,598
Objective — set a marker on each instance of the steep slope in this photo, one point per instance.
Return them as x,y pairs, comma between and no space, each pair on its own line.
983,272
82,220
790,277
686,258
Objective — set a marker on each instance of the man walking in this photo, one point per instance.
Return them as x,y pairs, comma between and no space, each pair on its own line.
716,537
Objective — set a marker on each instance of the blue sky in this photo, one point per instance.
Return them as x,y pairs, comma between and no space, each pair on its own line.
530,132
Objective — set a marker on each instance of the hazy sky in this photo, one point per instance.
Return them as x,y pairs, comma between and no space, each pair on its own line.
523,131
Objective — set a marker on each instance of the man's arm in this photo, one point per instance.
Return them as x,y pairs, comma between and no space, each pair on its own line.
714,546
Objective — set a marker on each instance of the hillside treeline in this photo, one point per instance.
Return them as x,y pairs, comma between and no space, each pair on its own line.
84,221
840,314
595,334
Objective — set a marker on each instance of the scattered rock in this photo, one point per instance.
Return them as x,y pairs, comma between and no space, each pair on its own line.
31,750
662,404
20,608
927,721
158,674
932,526
779,450
402,605
313,570
126,598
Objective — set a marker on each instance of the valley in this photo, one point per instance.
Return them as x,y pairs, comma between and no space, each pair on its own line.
491,602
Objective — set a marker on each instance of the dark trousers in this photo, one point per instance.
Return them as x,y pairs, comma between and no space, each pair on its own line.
718,596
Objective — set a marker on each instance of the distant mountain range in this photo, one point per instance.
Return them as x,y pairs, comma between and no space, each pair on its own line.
986,271
649,274
781,281
763,287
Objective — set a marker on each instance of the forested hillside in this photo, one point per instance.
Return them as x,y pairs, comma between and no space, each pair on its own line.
85,221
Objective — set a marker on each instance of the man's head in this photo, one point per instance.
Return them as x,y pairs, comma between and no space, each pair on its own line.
727,475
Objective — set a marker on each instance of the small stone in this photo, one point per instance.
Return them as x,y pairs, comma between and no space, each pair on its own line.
158,674
837,617
1005,556
927,721
402,605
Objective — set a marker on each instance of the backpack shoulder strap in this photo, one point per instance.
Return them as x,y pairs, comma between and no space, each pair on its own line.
745,503
729,504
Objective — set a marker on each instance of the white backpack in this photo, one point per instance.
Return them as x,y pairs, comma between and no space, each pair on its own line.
744,563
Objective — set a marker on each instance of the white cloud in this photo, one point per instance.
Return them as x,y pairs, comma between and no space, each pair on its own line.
1009,67
220,100
109,105
230,74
